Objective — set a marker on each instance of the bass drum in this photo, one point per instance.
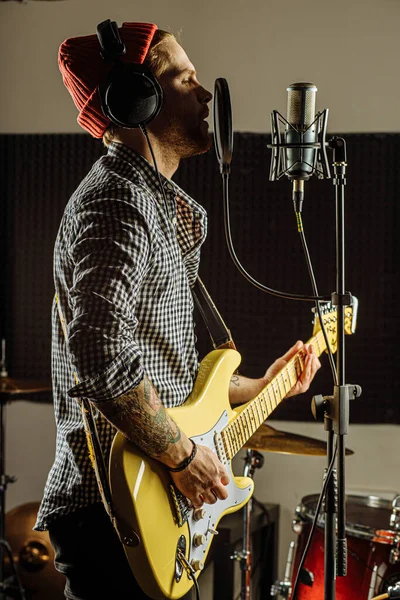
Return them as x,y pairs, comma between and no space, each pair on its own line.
372,550
33,555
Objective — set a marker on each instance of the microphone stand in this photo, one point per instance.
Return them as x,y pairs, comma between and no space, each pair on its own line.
337,406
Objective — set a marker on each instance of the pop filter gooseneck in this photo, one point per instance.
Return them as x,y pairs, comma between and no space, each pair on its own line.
223,140
223,132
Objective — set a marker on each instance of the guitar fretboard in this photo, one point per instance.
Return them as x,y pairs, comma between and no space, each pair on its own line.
253,415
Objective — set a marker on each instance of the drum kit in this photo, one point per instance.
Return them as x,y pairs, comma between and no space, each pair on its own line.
373,529
26,558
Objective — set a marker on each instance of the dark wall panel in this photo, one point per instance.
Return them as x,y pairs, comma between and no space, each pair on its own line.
39,172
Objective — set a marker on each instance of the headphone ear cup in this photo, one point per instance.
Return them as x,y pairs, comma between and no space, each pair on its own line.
132,96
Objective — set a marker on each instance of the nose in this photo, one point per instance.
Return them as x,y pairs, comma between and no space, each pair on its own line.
205,95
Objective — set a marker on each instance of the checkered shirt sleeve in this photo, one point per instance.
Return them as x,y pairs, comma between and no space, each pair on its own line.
123,273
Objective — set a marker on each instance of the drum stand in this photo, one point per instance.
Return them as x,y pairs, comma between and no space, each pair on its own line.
254,460
7,589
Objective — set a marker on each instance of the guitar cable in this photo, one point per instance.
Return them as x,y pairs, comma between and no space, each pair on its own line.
190,571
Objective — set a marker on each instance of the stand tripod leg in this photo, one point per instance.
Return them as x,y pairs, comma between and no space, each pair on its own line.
3,485
254,460
6,590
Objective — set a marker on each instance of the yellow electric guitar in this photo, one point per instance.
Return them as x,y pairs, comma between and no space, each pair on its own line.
145,499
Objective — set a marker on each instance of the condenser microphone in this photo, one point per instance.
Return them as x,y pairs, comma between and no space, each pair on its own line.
299,150
300,138
301,135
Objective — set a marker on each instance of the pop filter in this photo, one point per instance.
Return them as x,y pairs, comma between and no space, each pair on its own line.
223,134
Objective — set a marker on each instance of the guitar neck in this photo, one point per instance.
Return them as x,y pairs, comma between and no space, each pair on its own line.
253,414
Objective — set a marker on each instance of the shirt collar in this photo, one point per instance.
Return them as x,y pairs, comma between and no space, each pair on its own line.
192,213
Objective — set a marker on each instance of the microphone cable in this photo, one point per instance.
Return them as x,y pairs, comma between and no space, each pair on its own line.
143,129
240,267
317,511
315,291
315,298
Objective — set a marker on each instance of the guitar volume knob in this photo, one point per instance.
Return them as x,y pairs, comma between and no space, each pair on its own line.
197,565
199,539
199,513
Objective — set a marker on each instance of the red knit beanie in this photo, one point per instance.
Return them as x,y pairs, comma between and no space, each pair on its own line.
83,68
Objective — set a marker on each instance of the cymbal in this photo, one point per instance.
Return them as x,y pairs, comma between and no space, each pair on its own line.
269,439
15,387
33,554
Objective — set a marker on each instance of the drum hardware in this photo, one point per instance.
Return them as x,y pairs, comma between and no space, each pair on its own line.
395,552
372,585
254,460
393,592
370,545
10,389
395,516
283,588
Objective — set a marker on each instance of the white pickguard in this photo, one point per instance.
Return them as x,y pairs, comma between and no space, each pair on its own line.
213,511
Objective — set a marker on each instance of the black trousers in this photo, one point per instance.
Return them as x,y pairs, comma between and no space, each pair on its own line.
88,552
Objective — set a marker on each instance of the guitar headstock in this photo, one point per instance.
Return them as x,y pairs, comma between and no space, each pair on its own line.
329,318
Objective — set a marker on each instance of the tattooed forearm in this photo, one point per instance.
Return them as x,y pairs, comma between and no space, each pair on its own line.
235,380
141,417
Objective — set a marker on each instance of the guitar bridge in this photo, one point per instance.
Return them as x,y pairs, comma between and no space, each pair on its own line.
182,505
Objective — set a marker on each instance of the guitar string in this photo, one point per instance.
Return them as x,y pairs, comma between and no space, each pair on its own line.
235,431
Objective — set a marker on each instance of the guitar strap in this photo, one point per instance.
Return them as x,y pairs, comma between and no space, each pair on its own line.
126,535
221,338
219,333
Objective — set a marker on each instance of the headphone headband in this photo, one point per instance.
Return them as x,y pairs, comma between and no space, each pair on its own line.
112,47
130,96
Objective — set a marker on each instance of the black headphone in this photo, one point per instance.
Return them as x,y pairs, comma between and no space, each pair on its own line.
130,95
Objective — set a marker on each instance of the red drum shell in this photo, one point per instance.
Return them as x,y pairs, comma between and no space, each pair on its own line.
369,544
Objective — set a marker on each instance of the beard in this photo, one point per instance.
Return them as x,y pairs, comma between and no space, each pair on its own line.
184,135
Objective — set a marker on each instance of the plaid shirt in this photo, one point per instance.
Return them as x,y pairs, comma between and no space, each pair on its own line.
123,272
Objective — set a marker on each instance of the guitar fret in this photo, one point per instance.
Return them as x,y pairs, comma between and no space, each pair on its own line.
227,440
257,405
290,370
254,418
241,430
225,436
273,389
238,432
233,442
270,409
246,422
284,382
264,407
281,393
298,365
234,437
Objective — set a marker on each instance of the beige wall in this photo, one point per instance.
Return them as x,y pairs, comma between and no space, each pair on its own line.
349,49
